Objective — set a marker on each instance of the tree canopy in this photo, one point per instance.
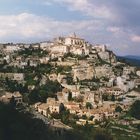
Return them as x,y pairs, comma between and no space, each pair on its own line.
135,110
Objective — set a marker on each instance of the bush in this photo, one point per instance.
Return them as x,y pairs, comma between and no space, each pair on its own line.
89,105
118,109
135,110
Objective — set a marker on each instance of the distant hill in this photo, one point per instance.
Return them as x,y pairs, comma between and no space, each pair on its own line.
130,59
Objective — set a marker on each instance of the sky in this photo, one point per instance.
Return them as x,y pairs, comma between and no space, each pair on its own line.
115,23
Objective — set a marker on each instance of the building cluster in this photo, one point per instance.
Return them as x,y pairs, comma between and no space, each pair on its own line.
92,79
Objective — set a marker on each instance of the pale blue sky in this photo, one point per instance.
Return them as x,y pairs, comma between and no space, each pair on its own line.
115,23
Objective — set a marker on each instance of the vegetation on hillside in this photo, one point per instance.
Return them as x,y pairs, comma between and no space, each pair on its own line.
16,125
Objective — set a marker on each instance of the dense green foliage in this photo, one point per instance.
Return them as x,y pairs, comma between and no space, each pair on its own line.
16,125
20,126
33,52
135,110
41,93
63,69
118,109
89,105
13,86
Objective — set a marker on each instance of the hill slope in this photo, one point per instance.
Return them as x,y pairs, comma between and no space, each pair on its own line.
132,60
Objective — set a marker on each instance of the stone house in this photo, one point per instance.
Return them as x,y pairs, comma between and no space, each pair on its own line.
52,106
74,40
103,71
12,76
62,49
100,48
43,109
72,105
44,60
11,48
6,98
113,91
137,82
75,93
18,77
127,70
63,96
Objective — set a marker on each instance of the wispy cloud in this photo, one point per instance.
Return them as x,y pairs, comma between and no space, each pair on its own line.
86,7
27,26
47,3
135,38
114,29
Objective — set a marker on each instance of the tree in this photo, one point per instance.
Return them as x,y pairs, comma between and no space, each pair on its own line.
138,126
12,101
84,117
55,115
118,109
91,118
43,95
105,97
70,80
33,97
102,135
113,98
89,105
65,116
62,108
70,96
5,62
135,109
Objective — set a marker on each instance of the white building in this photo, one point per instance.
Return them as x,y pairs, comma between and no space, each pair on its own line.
18,77
129,70
125,84
100,48
44,60
6,98
10,48
114,91
46,45
62,49
74,40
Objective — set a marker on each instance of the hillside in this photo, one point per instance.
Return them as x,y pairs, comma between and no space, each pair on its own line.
132,60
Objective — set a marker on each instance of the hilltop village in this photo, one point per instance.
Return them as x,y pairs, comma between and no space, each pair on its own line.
68,79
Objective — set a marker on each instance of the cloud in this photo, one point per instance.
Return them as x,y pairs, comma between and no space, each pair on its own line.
31,27
26,27
114,29
47,3
87,7
135,38
114,22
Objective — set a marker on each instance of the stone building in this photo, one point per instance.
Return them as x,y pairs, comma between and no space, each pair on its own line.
12,76
82,72
7,97
74,40
63,96
103,71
